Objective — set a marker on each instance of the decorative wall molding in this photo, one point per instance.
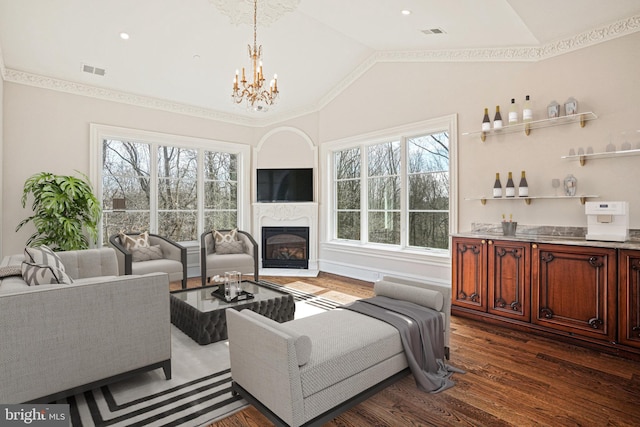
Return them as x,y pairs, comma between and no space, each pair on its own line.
602,34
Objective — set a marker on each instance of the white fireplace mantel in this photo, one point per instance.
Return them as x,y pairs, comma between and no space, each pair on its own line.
288,215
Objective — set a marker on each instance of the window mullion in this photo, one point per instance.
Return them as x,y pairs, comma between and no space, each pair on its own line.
364,195
153,188
404,193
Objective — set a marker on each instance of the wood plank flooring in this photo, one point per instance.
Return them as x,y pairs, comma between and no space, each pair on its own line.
512,379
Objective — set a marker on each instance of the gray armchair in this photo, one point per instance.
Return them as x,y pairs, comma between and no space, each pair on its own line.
173,260
213,263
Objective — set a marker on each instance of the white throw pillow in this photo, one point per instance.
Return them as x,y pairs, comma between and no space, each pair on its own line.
226,242
134,241
146,254
424,297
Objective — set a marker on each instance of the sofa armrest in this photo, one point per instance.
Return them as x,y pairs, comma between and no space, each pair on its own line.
264,363
444,290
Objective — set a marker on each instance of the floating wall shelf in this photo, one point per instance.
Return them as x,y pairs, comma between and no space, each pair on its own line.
527,200
583,157
581,118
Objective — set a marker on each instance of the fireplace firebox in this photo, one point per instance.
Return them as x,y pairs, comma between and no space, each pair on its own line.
285,247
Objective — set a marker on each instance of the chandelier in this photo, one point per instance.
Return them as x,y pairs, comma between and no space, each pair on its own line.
256,96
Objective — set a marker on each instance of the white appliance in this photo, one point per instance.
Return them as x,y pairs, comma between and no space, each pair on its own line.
608,221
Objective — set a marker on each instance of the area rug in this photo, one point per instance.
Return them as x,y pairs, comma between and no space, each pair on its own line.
198,394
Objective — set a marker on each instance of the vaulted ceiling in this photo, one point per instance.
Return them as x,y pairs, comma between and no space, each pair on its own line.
181,55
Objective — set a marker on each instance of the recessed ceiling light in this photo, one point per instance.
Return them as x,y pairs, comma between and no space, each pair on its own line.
124,36
406,12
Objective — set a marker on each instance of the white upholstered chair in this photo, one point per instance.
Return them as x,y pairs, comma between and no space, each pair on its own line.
242,257
171,257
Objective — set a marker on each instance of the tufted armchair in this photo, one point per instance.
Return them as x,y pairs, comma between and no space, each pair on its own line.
214,262
159,254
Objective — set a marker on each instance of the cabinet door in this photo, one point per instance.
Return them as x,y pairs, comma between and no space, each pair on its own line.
469,285
574,290
509,279
629,298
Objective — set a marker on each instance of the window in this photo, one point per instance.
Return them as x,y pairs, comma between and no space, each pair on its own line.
401,197
173,186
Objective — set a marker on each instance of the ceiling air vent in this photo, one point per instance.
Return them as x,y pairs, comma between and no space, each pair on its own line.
93,70
434,31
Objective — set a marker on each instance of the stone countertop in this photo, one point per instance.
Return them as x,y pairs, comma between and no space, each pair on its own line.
574,236
556,240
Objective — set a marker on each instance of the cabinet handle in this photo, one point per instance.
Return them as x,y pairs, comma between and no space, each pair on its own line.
534,246
490,242
484,241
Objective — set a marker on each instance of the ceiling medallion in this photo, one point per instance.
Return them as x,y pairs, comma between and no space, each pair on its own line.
240,11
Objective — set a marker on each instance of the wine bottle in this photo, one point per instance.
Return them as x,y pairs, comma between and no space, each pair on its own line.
486,123
527,112
510,189
497,186
497,120
513,112
523,187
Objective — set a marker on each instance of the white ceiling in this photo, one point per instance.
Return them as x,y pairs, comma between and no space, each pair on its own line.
186,51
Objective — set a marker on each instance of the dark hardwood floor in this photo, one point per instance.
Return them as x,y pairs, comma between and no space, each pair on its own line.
512,379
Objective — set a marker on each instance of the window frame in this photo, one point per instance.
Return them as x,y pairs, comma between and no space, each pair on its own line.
403,133
98,133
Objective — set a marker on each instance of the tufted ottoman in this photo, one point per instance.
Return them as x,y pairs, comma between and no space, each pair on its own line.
202,316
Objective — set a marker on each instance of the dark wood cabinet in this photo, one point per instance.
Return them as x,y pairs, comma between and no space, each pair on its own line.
587,295
508,279
492,276
629,298
574,290
469,278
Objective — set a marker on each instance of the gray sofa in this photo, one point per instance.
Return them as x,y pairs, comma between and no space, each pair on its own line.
58,340
308,370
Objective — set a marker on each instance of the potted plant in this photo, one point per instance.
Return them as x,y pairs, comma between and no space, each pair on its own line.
63,207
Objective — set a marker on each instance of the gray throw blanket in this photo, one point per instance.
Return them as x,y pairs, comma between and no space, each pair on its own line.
422,338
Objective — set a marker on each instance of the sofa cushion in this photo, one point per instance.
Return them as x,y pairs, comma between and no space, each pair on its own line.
134,241
40,274
424,297
302,343
43,255
344,344
146,253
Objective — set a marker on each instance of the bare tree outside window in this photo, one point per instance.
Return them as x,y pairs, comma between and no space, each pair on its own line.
220,190
428,175
126,174
384,192
424,181
347,193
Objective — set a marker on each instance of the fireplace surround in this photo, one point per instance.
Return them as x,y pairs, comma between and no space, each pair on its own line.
288,215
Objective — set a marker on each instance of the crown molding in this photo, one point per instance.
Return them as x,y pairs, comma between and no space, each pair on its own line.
510,54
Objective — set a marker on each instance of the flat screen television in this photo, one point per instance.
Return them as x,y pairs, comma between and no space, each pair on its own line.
285,185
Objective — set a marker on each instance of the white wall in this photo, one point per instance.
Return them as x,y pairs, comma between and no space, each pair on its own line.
603,78
48,130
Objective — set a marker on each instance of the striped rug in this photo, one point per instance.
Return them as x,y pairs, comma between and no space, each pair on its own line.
198,393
